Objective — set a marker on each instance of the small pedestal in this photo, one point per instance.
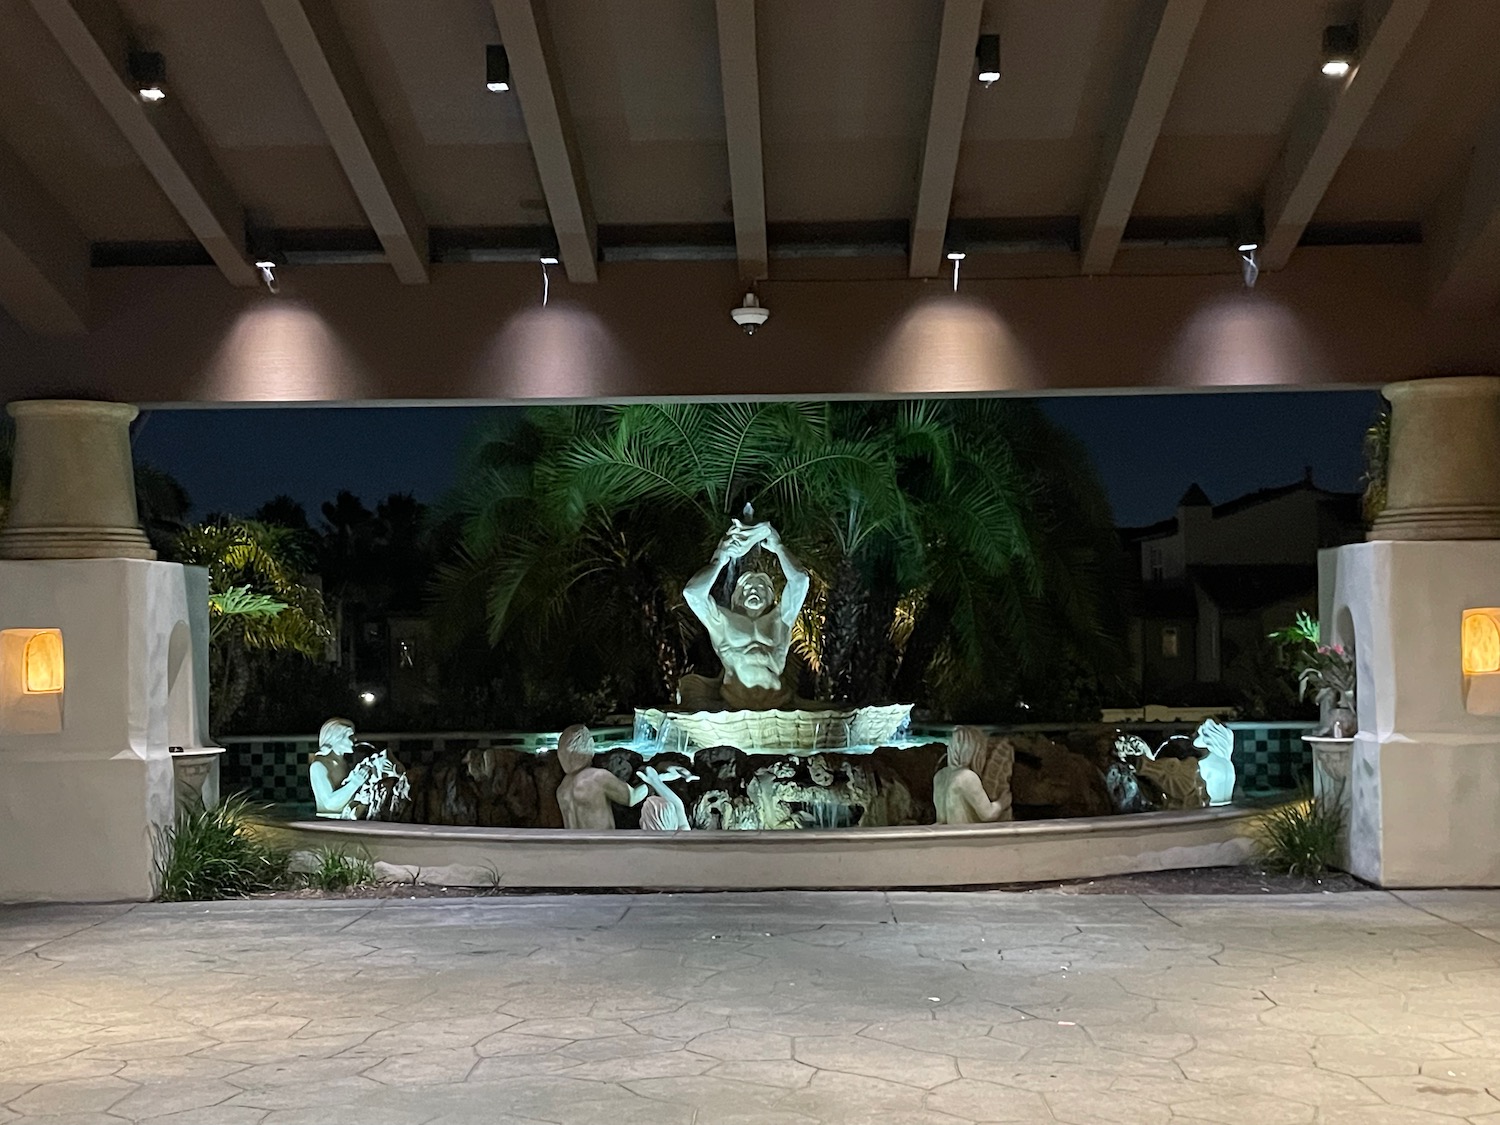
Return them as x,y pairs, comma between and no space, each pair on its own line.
195,773
1331,782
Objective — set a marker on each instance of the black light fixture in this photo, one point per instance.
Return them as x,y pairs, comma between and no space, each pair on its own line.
1340,48
988,54
148,70
496,69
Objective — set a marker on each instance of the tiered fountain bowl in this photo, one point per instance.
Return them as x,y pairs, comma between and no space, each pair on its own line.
780,731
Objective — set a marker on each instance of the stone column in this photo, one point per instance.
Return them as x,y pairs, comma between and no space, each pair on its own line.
1444,460
73,484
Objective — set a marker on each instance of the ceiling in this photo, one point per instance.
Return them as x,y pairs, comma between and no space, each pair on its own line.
777,131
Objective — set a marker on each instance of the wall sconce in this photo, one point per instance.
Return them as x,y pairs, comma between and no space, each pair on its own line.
31,681
1480,644
43,662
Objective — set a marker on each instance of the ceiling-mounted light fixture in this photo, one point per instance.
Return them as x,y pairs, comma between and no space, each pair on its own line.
546,260
956,257
1340,48
496,69
1247,245
750,314
267,273
988,54
148,72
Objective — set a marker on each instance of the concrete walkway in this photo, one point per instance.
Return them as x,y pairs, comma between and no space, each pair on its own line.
770,1009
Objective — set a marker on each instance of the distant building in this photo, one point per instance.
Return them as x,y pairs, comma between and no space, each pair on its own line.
1215,579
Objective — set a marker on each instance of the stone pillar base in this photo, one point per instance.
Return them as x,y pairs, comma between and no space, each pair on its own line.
1424,774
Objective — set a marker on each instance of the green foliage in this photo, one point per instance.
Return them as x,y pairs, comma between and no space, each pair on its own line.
217,853
337,870
957,548
1300,838
258,601
1377,447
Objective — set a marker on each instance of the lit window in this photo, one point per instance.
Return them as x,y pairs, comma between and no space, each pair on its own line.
44,663
1481,641
1169,641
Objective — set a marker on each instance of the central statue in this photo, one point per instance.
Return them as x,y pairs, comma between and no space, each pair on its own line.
752,635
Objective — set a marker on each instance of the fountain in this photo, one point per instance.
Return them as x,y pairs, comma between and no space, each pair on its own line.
753,705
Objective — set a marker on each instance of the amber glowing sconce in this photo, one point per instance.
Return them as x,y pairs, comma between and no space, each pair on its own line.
31,681
43,662
1480,641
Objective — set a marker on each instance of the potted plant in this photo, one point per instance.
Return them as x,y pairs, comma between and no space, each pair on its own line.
1324,671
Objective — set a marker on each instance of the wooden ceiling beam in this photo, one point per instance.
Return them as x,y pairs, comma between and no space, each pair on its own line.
326,69
1154,69
951,82
549,126
92,35
1325,126
739,73
44,258
1463,234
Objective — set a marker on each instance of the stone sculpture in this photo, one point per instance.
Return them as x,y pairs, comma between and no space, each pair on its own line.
1120,778
957,791
663,811
1176,781
350,787
752,634
587,791
1218,768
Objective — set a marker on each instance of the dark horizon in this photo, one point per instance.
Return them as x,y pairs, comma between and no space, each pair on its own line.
1147,449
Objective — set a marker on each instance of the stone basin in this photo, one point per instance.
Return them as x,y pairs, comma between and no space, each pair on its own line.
783,730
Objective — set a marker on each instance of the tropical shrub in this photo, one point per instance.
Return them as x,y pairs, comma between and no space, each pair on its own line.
218,853
1300,838
335,869
258,602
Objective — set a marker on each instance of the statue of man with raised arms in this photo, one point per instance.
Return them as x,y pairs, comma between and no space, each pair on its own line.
752,635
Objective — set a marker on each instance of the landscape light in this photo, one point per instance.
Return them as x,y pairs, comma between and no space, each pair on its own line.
1340,47
496,69
148,71
988,54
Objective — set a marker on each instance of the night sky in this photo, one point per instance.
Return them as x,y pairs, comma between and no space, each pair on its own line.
1148,448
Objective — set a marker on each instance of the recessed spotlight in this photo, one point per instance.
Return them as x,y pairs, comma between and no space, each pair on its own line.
367,698
1246,247
267,273
988,54
956,255
148,71
549,261
1340,48
496,69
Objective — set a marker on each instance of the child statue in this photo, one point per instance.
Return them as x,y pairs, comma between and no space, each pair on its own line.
587,791
957,791
344,789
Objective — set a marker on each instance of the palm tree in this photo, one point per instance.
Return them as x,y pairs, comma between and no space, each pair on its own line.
934,537
258,602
